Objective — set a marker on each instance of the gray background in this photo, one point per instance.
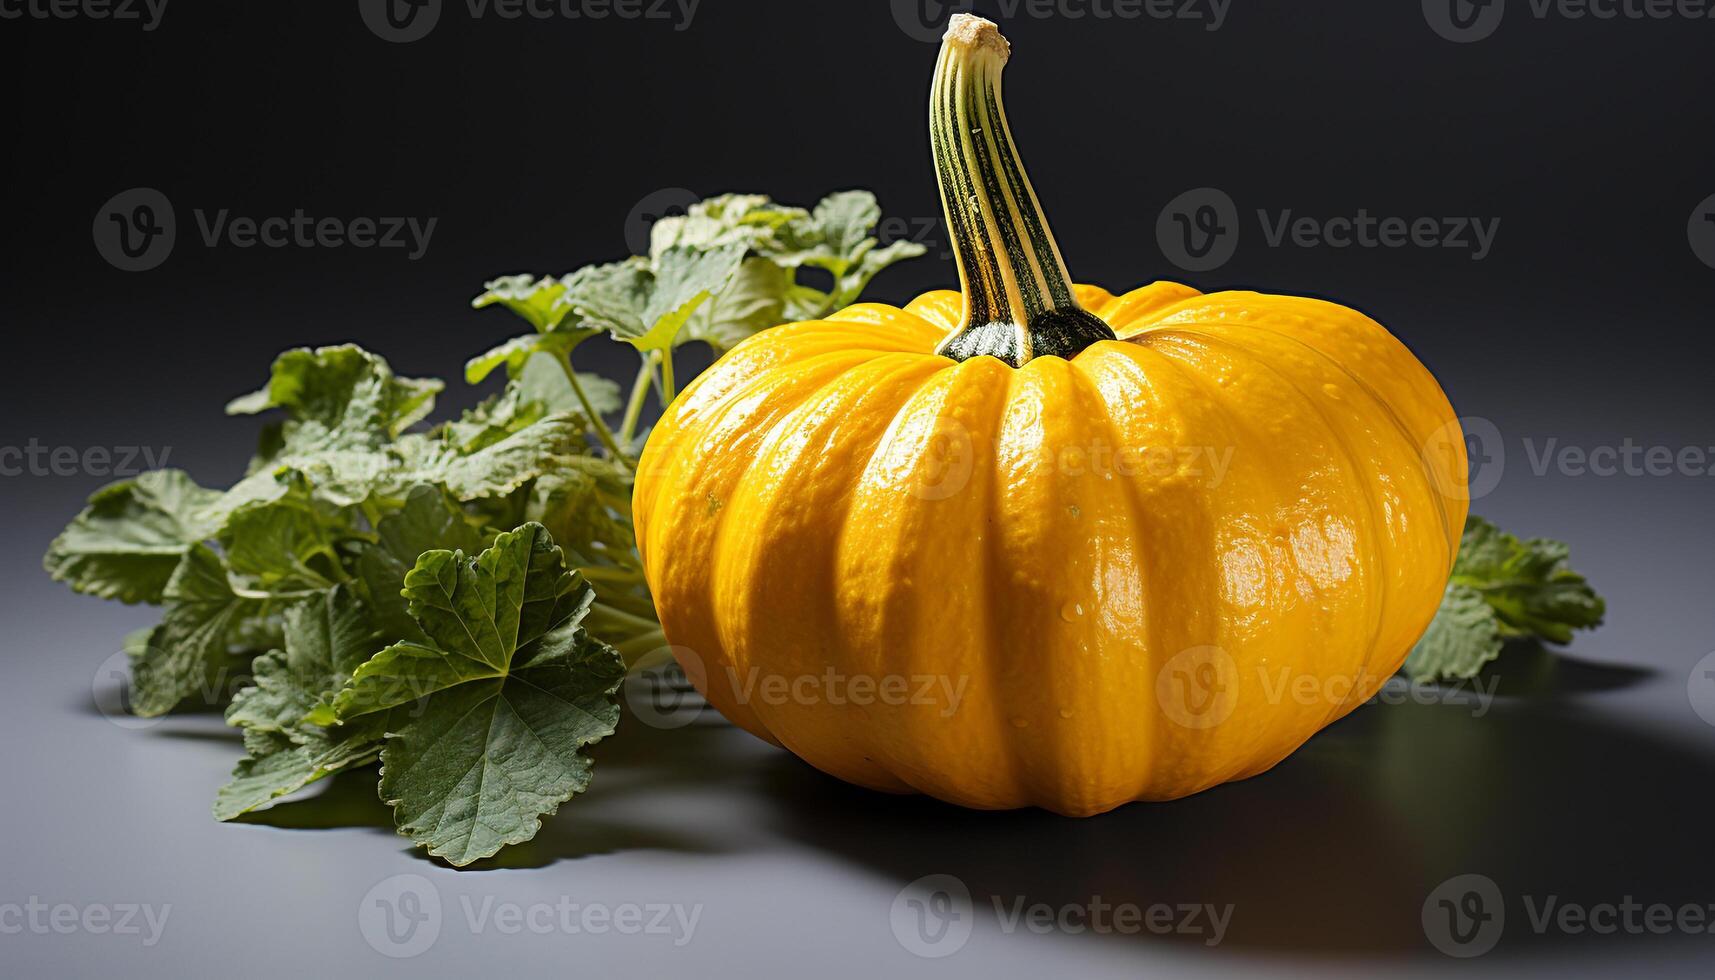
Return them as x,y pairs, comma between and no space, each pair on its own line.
532,141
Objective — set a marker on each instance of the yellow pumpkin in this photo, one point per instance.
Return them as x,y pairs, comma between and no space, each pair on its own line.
1035,544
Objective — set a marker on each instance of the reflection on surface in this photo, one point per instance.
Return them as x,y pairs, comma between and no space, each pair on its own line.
1332,852
1336,849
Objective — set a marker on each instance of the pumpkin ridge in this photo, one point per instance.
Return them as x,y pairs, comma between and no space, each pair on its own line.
820,416
1379,569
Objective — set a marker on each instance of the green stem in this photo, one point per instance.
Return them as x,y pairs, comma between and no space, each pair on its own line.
668,390
1019,302
604,620
617,576
635,647
634,406
601,430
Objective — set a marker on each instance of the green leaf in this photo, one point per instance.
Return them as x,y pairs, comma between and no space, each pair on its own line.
857,276
586,507
1464,636
755,300
276,765
510,690
536,300
500,468
339,398
537,390
129,539
1502,589
327,638
750,220
837,236
516,352
191,651
428,521
1527,582
287,545
646,302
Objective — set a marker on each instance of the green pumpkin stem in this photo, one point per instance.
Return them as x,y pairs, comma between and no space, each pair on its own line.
1018,295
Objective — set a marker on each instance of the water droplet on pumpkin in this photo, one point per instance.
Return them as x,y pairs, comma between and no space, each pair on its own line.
1019,722
1332,390
1071,612
1065,712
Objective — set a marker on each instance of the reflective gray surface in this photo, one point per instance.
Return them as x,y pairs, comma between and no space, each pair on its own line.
1586,781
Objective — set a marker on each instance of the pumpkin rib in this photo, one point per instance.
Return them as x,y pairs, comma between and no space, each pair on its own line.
795,564
1433,500
890,548
1377,569
1415,450
1187,525
1143,744
1118,358
1418,443
693,478
1236,742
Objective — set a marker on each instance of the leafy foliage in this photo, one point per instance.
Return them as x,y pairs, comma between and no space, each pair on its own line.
1502,589
333,587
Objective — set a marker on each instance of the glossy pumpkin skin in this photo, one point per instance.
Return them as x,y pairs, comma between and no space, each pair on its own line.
836,506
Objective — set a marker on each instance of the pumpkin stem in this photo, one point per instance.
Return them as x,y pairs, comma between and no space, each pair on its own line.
1018,295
